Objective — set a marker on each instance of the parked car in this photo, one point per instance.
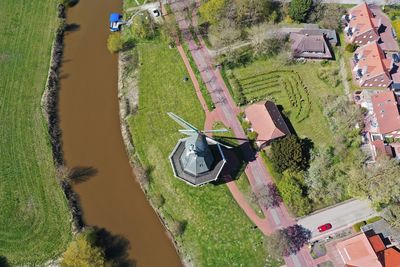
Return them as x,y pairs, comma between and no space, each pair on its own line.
324,227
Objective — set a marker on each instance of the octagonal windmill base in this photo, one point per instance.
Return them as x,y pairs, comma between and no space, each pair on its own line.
203,178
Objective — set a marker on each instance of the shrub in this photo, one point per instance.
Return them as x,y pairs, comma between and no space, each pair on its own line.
289,153
114,42
351,48
158,200
177,227
357,226
252,136
299,9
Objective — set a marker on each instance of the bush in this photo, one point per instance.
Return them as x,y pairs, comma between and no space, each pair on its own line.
351,48
299,9
289,153
178,227
114,42
357,226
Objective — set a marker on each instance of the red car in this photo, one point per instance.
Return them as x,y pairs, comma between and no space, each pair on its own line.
324,227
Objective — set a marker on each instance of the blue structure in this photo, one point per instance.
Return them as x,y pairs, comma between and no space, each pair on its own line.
115,22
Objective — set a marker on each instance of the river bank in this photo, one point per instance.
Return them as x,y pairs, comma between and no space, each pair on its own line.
109,195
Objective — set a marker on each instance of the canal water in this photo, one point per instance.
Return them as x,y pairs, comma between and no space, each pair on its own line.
91,136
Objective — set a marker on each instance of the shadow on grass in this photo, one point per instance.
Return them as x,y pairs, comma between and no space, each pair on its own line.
4,262
237,158
116,247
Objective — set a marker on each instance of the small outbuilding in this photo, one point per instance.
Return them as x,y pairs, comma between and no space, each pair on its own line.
267,121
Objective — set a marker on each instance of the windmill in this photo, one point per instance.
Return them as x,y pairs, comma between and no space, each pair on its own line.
196,159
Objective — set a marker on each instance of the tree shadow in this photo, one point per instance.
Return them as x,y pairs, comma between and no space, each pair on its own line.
4,262
81,174
116,247
72,3
72,27
307,146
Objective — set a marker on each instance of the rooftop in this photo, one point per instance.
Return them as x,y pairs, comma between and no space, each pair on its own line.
362,19
357,251
386,112
309,45
373,60
267,121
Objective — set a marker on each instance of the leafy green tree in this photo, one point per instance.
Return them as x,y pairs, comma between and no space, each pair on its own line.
291,188
81,252
250,12
324,179
289,153
114,42
212,10
379,182
299,9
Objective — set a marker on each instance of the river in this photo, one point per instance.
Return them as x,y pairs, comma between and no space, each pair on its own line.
91,136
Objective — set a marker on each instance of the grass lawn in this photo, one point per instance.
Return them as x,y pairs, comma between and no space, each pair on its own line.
34,217
297,88
217,232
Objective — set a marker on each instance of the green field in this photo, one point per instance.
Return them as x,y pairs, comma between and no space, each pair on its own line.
297,88
34,218
217,232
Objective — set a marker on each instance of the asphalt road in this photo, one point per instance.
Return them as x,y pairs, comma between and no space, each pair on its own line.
341,217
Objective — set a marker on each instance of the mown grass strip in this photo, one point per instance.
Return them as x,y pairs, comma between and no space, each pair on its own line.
34,218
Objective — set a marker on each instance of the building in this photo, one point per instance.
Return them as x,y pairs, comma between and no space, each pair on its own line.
368,249
310,44
357,252
267,121
365,24
382,124
370,66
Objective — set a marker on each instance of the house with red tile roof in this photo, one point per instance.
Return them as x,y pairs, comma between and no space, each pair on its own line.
267,121
368,249
383,124
371,68
365,24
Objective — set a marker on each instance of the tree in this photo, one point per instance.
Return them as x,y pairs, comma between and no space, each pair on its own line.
271,46
250,12
267,196
169,29
379,182
331,17
114,42
289,153
143,27
392,215
291,188
299,9
81,252
324,179
287,241
224,33
212,10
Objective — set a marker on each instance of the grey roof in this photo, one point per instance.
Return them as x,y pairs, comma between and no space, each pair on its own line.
313,46
330,35
197,157
276,117
201,178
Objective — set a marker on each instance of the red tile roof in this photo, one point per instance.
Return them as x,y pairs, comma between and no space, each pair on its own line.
386,112
363,19
392,257
376,243
267,121
373,59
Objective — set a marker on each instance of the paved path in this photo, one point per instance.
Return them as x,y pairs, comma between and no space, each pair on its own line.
341,216
227,111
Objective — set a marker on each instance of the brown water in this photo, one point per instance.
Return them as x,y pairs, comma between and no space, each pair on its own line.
92,138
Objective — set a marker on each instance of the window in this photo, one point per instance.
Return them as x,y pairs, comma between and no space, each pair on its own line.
380,85
375,80
370,37
364,36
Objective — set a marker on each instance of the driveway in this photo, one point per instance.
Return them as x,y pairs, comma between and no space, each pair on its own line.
340,216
